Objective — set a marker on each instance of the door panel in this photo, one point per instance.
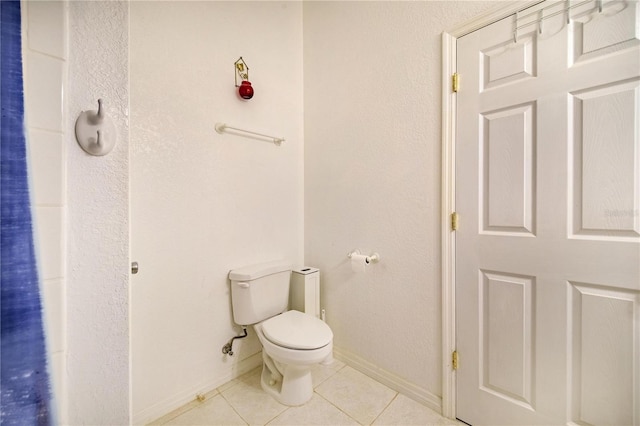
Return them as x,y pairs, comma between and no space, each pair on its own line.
507,62
605,184
603,353
548,193
596,35
507,161
506,343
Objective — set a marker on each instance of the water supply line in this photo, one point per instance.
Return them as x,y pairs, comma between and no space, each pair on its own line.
228,348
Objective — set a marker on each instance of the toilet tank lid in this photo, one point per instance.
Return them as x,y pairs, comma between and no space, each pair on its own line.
253,272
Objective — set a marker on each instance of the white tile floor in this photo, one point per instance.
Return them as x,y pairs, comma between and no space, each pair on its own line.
342,396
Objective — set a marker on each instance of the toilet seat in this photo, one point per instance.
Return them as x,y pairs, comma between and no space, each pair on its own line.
297,330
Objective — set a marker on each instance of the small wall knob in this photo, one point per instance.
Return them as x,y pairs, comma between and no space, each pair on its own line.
95,131
134,267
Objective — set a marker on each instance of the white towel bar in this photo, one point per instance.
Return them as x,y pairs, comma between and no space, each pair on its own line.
222,128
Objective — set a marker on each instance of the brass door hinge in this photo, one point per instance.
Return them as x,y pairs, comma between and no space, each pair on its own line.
454,221
455,82
454,360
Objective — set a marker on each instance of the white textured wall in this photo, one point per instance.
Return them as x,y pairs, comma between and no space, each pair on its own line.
204,203
371,166
44,42
372,177
98,225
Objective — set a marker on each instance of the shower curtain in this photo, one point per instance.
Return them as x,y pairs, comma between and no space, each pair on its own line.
24,381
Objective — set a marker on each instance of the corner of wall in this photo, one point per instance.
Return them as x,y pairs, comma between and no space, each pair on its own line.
98,219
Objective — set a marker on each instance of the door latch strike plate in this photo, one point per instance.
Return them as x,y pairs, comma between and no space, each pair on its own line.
454,360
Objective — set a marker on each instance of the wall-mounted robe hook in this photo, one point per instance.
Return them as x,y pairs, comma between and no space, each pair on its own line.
95,132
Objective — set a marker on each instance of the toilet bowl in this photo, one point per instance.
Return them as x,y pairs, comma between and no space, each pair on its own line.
292,343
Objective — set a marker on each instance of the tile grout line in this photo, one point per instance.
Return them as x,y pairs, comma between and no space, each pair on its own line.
232,407
167,420
242,379
47,54
386,407
315,393
238,380
396,393
47,130
280,413
338,408
331,403
193,403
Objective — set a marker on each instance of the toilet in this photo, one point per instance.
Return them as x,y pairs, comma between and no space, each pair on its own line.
292,341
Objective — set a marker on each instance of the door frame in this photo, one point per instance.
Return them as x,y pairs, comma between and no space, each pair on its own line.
448,162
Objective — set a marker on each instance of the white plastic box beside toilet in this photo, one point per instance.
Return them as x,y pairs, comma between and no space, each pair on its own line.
292,341
305,290
305,295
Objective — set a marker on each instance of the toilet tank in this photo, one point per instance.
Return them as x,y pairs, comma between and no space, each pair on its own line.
259,291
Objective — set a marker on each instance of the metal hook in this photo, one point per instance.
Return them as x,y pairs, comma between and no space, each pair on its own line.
98,116
599,3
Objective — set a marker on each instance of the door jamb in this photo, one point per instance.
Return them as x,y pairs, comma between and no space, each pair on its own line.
448,247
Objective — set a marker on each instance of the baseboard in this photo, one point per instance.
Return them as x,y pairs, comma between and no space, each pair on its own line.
182,398
385,377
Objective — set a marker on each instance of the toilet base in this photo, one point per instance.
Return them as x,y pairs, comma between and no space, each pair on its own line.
289,385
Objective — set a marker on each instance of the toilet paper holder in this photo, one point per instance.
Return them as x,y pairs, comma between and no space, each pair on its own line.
372,258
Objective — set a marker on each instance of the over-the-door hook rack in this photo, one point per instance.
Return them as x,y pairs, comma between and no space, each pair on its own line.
95,132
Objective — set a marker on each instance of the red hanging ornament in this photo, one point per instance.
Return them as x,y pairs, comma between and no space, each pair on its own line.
245,90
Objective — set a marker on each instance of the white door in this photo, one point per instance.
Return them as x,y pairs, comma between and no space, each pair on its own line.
548,193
